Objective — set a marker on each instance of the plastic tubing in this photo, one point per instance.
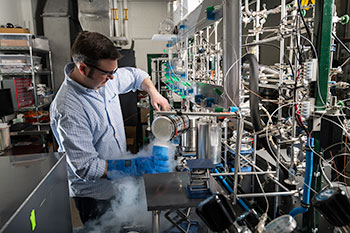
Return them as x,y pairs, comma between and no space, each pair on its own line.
243,204
307,181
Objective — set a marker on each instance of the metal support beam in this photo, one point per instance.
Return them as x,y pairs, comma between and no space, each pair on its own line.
232,50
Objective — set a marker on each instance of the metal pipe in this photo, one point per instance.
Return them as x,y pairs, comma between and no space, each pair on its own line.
255,138
257,24
218,114
33,79
125,20
258,168
51,71
171,10
217,60
265,41
111,18
224,125
156,221
116,19
232,50
281,60
208,55
246,7
237,157
242,173
270,194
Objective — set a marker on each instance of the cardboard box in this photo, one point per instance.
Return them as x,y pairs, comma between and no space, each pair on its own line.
131,144
13,43
144,115
14,30
145,133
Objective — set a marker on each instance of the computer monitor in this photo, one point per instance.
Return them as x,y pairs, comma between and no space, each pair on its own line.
6,106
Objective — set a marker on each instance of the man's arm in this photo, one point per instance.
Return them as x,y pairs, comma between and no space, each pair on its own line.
157,100
68,128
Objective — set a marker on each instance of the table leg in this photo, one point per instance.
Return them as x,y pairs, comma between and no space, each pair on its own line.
156,221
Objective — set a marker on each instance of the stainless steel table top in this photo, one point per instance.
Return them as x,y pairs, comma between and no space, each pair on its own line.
168,191
19,175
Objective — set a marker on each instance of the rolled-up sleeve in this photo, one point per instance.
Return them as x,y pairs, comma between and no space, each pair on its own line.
74,135
129,79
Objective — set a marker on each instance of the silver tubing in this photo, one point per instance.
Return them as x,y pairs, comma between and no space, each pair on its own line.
283,14
156,221
242,173
259,169
270,194
218,114
237,157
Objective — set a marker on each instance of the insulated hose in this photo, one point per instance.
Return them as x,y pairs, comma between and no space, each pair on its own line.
254,99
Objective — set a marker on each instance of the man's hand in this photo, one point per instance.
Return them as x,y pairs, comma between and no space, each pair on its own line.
157,100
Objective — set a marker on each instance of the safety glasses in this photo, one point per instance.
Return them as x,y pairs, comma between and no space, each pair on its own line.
104,72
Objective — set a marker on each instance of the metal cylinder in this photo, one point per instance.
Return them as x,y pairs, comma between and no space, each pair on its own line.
215,133
209,141
168,127
189,139
203,139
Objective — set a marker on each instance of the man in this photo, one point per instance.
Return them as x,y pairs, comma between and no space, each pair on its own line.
87,122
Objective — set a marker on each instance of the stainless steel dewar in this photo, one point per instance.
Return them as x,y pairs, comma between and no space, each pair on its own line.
189,139
209,140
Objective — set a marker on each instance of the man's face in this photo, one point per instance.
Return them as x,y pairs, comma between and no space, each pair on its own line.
97,76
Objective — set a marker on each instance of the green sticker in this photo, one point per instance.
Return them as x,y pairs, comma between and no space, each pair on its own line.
32,219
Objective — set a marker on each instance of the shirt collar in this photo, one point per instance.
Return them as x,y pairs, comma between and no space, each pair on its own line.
67,71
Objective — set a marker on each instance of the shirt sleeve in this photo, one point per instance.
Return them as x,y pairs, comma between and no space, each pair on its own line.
74,136
129,79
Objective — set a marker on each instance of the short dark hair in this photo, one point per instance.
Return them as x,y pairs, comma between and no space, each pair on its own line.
90,47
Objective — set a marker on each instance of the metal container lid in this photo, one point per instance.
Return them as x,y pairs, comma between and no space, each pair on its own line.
163,128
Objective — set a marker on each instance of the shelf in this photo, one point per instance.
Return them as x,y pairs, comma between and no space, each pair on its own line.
36,50
43,72
164,37
43,130
31,108
36,123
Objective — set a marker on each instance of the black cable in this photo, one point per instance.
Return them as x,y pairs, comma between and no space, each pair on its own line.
299,51
340,42
254,87
303,19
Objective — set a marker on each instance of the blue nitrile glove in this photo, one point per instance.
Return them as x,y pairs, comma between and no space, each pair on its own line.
157,163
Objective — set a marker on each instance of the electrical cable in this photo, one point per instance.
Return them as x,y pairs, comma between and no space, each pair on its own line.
312,46
321,157
274,155
303,19
340,42
335,165
267,100
227,72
